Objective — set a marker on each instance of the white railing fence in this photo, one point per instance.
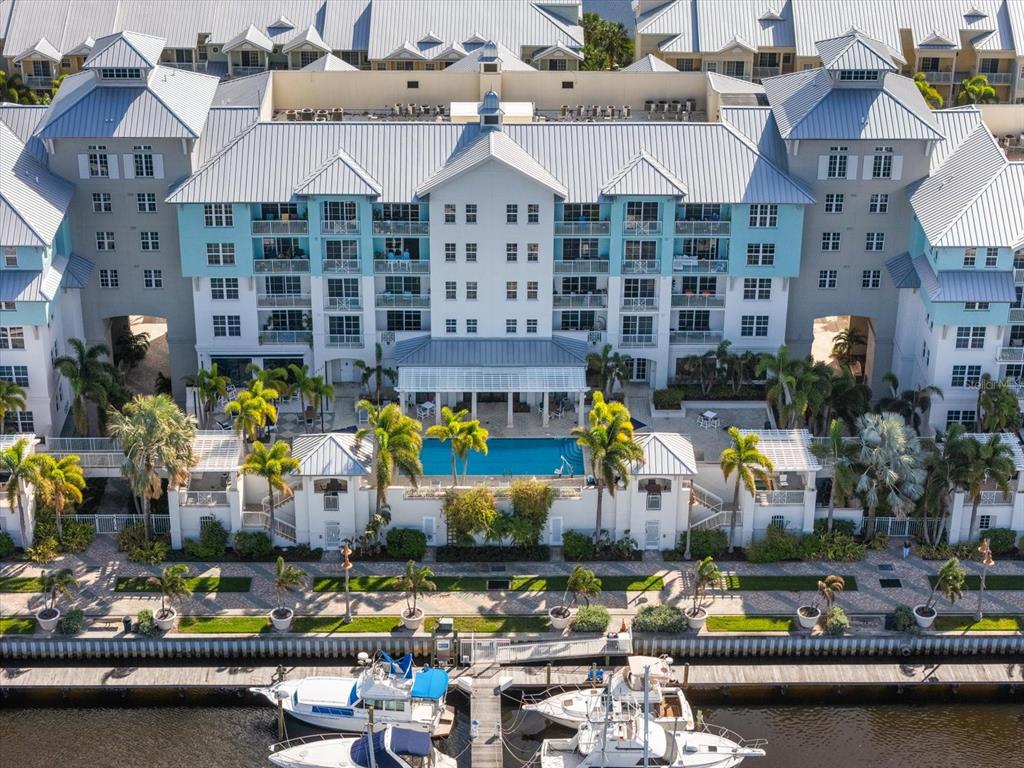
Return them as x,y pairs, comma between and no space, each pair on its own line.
114,523
899,527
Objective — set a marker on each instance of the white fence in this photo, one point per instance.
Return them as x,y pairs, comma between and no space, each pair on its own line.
899,527
114,523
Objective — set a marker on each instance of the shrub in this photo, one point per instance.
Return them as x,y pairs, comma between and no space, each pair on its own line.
705,542
469,513
842,526
668,399
43,551
406,543
71,622
531,502
540,553
151,552
880,542
77,536
660,618
777,546
6,545
903,619
1002,541
944,551
45,547
577,546
146,623
131,536
591,618
836,621
837,547
253,545
212,543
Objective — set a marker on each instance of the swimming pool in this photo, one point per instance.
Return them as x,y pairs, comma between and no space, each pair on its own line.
539,456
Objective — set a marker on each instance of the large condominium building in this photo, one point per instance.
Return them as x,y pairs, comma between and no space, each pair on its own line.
948,40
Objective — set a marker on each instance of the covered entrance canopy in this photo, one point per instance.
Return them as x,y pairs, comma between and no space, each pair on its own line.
493,365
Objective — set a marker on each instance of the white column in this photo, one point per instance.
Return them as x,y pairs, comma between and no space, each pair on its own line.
472,404
581,407
437,407
544,410
510,423
959,517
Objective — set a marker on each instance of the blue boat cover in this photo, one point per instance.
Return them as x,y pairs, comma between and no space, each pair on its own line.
402,668
353,695
430,684
402,742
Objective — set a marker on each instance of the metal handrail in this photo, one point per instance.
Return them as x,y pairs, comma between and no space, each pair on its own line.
641,266
417,300
285,337
389,227
639,302
578,300
641,227
694,266
344,340
203,499
694,337
283,299
346,266
581,266
637,340
280,265
388,266
280,227
343,302
725,733
685,227
697,300
339,226
581,228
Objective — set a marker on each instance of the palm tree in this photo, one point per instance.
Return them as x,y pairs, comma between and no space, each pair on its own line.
310,388
378,372
56,585
750,466
582,582
270,378
911,404
91,379
891,463
414,581
397,442
60,482
848,399
976,90
829,589
211,385
845,345
609,367
784,370
156,436
286,579
253,409
931,96
613,451
998,408
947,474
22,469
173,584
988,462
272,464
465,435
840,454
12,398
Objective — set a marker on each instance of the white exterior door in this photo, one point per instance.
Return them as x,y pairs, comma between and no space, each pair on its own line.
332,535
430,530
556,531
652,534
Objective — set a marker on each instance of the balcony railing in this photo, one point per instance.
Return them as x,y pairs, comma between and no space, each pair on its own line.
699,228
938,77
397,266
641,266
582,228
780,498
1010,355
343,303
342,266
286,337
695,337
992,498
417,300
280,227
762,72
1018,276
344,340
637,340
339,227
697,300
261,266
283,300
203,499
687,266
401,227
240,71
1016,315
641,227
635,303
579,300
581,266
188,66
38,81
998,78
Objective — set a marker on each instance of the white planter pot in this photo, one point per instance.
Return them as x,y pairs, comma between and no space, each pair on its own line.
810,620
48,623
413,622
165,621
559,621
282,622
924,621
696,620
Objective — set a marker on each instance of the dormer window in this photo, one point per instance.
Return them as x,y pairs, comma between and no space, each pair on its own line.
120,73
858,75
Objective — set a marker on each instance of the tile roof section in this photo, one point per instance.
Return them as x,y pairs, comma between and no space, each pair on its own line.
251,38
665,454
126,49
425,352
334,454
644,175
329,63
960,285
649,63
33,201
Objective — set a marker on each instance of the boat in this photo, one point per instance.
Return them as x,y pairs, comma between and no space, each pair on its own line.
391,747
572,707
394,691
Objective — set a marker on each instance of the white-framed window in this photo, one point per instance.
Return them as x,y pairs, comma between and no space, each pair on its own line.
149,241
764,215
227,325
218,215
99,162
120,73
105,241
878,203
881,164
146,202
450,253
471,325
19,421
757,289
533,213
16,373
471,290
874,241
10,256
830,241
984,522
834,202
965,376
220,254
970,337
532,290
871,279
142,156
837,162
531,325
470,253
754,325
976,306
828,278
449,213
965,417
760,254
152,278
223,288
108,278
451,290
991,257
451,326
510,325
858,75
12,337
511,251
101,202
511,213
970,258
471,213
343,250
339,210
511,290
533,252
8,306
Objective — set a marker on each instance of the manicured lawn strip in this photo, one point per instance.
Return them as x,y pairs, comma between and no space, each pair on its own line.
993,581
749,624
200,584
479,583
21,584
500,623
337,624
17,625
223,625
780,583
946,623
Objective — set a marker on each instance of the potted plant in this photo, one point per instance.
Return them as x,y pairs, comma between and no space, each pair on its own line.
286,579
173,585
828,588
55,586
581,583
950,584
412,582
705,574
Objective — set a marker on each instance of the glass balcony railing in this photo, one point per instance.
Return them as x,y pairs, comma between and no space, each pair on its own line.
262,266
695,337
639,303
641,266
628,340
343,340
280,227
342,266
697,300
582,228
389,227
692,266
286,337
641,227
283,300
342,303
416,300
398,266
697,228
579,300
581,266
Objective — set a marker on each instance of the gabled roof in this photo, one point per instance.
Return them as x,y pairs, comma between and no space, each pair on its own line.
489,52
494,145
736,41
649,63
665,454
282,22
329,63
33,284
450,52
405,50
340,175
644,175
308,38
855,50
558,51
935,40
83,48
251,37
335,454
960,285
33,201
41,49
126,49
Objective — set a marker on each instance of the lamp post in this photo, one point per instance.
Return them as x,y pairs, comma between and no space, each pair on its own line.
346,566
986,563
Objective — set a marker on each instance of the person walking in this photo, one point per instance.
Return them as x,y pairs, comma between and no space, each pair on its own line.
906,549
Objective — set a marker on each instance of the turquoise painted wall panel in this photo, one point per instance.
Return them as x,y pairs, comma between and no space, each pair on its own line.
786,236
193,236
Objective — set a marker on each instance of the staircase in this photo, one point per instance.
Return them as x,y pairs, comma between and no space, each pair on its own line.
717,520
258,516
716,516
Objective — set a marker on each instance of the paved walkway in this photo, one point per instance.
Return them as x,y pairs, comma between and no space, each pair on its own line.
98,569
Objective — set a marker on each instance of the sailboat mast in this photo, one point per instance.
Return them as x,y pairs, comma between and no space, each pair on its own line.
647,714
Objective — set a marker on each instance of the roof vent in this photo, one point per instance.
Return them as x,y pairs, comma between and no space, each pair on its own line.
490,111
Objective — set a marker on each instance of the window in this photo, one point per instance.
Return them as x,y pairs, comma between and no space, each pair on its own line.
991,257
578,321
641,250
511,252
16,373
533,213
449,253
510,325
451,290
120,73
531,326
970,337
966,418
511,290
875,241
470,253
19,421
108,278
220,254
223,288
858,75
532,289
837,162
692,284
218,215
764,215
965,376
345,325
143,158
471,290
970,258
99,164
878,204
342,250
471,213
398,320
984,522
10,256
834,203
830,241
345,290
694,320
757,289
451,326
533,252
754,325
8,306
101,202
988,66
760,254
227,325
871,278
149,241
881,165
152,278
581,212
337,210
637,211
104,241
828,278
449,213
146,202
511,213
12,338
976,306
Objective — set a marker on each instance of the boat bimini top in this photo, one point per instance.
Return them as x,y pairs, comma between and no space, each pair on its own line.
387,748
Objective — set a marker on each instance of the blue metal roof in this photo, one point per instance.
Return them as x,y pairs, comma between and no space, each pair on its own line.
430,684
425,352
965,285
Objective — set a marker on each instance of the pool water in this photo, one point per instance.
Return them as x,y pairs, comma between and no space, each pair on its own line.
532,456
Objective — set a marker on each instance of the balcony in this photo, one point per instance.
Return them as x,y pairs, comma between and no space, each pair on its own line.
264,266
698,300
280,227
763,72
685,265
998,78
582,228
283,300
203,499
641,266
286,337
780,498
403,300
704,228
938,78
342,266
641,228
695,337
579,300
188,66
240,71
1016,315
639,303
350,340
633,340
1018,276
581,267
399,267
1010,355
342,303
38,82
339,227
399,228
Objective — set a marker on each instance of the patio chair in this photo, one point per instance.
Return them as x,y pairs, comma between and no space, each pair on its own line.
557,413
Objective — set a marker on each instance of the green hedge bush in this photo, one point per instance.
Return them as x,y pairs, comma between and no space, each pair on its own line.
776,547
212,542
147,623
660,618
1002,541
77,536
577,546
7,547
836,621
71,622
406,543
668,399
591,618
253,545
836,547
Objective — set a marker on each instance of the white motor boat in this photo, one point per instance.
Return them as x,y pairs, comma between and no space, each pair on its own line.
395,692
572,707
388,748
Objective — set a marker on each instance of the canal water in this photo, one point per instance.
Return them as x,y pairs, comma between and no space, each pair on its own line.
888,735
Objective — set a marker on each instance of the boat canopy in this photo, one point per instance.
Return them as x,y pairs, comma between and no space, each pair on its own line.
659,670
384,744
401,668
430,684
